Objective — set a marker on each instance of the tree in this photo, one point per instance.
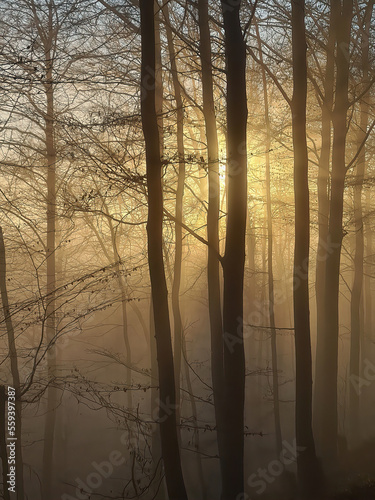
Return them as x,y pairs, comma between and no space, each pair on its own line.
168,425
234,258
323,216
342,21
306,459
271,294
213,262
15,373
356,294
177,268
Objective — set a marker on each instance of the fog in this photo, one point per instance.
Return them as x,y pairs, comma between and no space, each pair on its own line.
186,250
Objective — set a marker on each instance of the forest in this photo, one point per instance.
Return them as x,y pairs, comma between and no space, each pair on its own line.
187,249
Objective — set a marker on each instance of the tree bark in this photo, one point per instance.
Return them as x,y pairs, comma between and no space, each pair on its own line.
51,265
368,270
12,350
306,459
234,259
213,265
194,412
167,407
323,216
176,284
356,295
342,18
271,297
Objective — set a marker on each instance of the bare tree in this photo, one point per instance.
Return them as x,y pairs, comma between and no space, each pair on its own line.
356,295
306,460
168,425
14,370
342,21
234,258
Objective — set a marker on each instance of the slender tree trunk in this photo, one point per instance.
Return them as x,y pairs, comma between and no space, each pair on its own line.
251,251
356,296
51,270
167,406
13,368
124,311
213,265
261,352
323,216
159,489
271,298
194,412
115,258
342,16
158,78
368,270
156,441
306,459
128,357
234,259
177,326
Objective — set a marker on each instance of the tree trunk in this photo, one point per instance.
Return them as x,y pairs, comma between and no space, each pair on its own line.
51,269
213,265
167,406
271,298
306,459
356,296
177,320
368,271
194,412
234,259
124,311
157,468
13,368
156,442
323,216
158,78
342,16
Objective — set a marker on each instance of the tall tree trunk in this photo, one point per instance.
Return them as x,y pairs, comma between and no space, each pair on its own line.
156,441
177,320
234,259
157,468
368,271
306,459
323,216
14,370
342,17
51,267
213,265
167,407
115,258
271,297
194,412
124,312
356,296
158,78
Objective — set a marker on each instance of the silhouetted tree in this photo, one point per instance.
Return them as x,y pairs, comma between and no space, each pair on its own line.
168,425
306,459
